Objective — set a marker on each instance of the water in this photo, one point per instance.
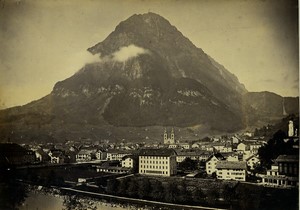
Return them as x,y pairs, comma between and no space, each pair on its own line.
41,201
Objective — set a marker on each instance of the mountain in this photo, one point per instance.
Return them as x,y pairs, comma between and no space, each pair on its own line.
148,75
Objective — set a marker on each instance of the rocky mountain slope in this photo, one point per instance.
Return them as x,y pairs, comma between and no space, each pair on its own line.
148,74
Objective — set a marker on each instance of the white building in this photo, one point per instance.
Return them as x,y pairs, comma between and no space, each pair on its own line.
199,155
159,162
129,161
231,170
242,147
252,161
285,173
114,154
291,128
86,154
211,163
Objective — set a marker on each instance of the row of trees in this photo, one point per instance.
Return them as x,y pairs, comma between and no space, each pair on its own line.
165,191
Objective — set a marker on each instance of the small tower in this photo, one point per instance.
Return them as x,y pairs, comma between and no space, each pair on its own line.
165,136
172,140
291,129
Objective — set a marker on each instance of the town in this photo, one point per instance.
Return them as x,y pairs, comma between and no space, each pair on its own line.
224,162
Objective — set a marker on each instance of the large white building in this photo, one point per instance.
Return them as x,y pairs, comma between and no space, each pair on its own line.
160,162
285,173
231,170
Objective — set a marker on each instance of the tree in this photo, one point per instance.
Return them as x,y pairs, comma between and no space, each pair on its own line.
157,190
122,187
170,192
275,147
112,186
132,188
188,165
182,193
144,188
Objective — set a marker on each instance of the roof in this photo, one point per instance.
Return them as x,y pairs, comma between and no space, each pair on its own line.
287,158
13,150
231,165
192,152
117,151
252,156
134,157
157,152
217,155
86,151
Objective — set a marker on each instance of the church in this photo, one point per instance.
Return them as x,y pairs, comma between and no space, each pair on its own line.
171,139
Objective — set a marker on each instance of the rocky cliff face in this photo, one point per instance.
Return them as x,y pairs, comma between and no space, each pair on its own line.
148,74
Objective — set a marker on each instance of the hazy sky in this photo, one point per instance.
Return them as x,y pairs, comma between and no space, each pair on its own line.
45,41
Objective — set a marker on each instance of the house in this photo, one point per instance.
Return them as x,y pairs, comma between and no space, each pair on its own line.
231,170
253,147
129,161
41,156
232,156
235,140
196,145
218,147
57,156
159,162
242,147
199,155
180,146
285,173
115,154
86,154
211,163
252,161
101,154
172,146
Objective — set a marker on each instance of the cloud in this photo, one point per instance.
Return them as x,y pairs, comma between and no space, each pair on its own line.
81,59
125,53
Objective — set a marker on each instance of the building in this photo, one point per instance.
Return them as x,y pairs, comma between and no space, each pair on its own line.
199,155
57,156
11,153
115,154
171,139
291,128
180,146
41,156
211,163
101,154
252,162
284,173
159,162
86,154
129,161
231,170
242,147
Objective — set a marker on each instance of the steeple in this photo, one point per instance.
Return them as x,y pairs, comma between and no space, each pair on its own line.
172,141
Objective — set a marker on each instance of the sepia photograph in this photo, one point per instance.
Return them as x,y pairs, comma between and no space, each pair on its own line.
149,104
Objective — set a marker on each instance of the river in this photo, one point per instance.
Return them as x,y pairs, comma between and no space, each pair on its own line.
44,201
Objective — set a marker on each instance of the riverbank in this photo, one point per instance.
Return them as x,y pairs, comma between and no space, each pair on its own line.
46,198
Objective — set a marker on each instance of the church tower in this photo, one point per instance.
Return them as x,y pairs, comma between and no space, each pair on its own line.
165,137
291,129
172,140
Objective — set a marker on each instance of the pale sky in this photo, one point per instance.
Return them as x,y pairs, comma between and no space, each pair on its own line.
45,41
